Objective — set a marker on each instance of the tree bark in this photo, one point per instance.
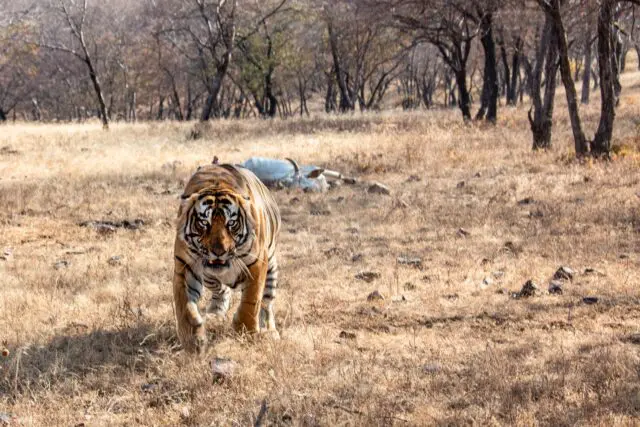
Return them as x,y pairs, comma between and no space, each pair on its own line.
346,103
512,92
489,97
602,140
546,59
586,76
581,145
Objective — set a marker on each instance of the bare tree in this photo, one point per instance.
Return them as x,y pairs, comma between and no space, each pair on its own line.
74,16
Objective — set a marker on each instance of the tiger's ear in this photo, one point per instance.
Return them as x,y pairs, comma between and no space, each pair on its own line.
186,200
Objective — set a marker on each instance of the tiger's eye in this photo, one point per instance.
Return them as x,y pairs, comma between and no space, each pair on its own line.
232,223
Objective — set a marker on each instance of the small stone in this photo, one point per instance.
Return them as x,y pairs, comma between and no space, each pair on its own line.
451,297
357,258
375,296
368,276
460,184
485,261
477,175
222,369
149,387
347,335
555,287
431,368
498,274
399,298
526,201
409,286
414,178
294,201
115,260
529,289
320,210
462,232
536,214
5,418
588,271
633,338
564,273
623,256
377,188
185,413
486,282
412,261
590,300
59,265
6,254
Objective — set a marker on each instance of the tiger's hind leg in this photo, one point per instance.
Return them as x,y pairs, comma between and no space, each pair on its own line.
267,317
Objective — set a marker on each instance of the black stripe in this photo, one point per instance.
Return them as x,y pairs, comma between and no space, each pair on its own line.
186,266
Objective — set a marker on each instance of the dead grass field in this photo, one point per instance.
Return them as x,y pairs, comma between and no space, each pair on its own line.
91,337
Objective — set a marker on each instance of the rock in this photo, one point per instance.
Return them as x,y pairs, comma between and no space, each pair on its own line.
377,188
150,386
588,271
5,419
460,184
564,273
536,214
414,178
409,286
115,260
7,151
623,256
368,276
375,296
555,287
526,201
357,258
108,227
486,282
431,368
294,201
399,298
485,261
347,335
477,175
529,289
318,209
59,265
451,297
222,369
590,300
633,339
462,232
412,261
498,274
185,413
6,254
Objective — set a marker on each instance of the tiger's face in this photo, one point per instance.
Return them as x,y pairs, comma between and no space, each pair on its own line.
218,229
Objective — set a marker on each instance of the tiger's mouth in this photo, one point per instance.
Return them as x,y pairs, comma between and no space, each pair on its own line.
216,263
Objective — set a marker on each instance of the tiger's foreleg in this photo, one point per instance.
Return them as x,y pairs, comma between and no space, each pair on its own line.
246,318
186,293
267,317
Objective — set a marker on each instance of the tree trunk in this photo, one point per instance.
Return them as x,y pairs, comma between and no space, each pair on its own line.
546,59
161,109
586,76
3,116
464,100
210,105
346,103
512,92
581,145
489,97
602,140
99,94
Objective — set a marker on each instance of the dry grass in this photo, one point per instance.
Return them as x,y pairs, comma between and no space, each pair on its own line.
93,342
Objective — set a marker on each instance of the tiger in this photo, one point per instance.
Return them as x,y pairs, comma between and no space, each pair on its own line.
226,237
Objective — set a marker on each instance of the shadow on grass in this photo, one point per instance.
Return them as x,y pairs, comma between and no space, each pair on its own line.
79,356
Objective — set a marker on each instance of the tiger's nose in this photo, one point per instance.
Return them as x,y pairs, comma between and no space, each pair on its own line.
218,250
